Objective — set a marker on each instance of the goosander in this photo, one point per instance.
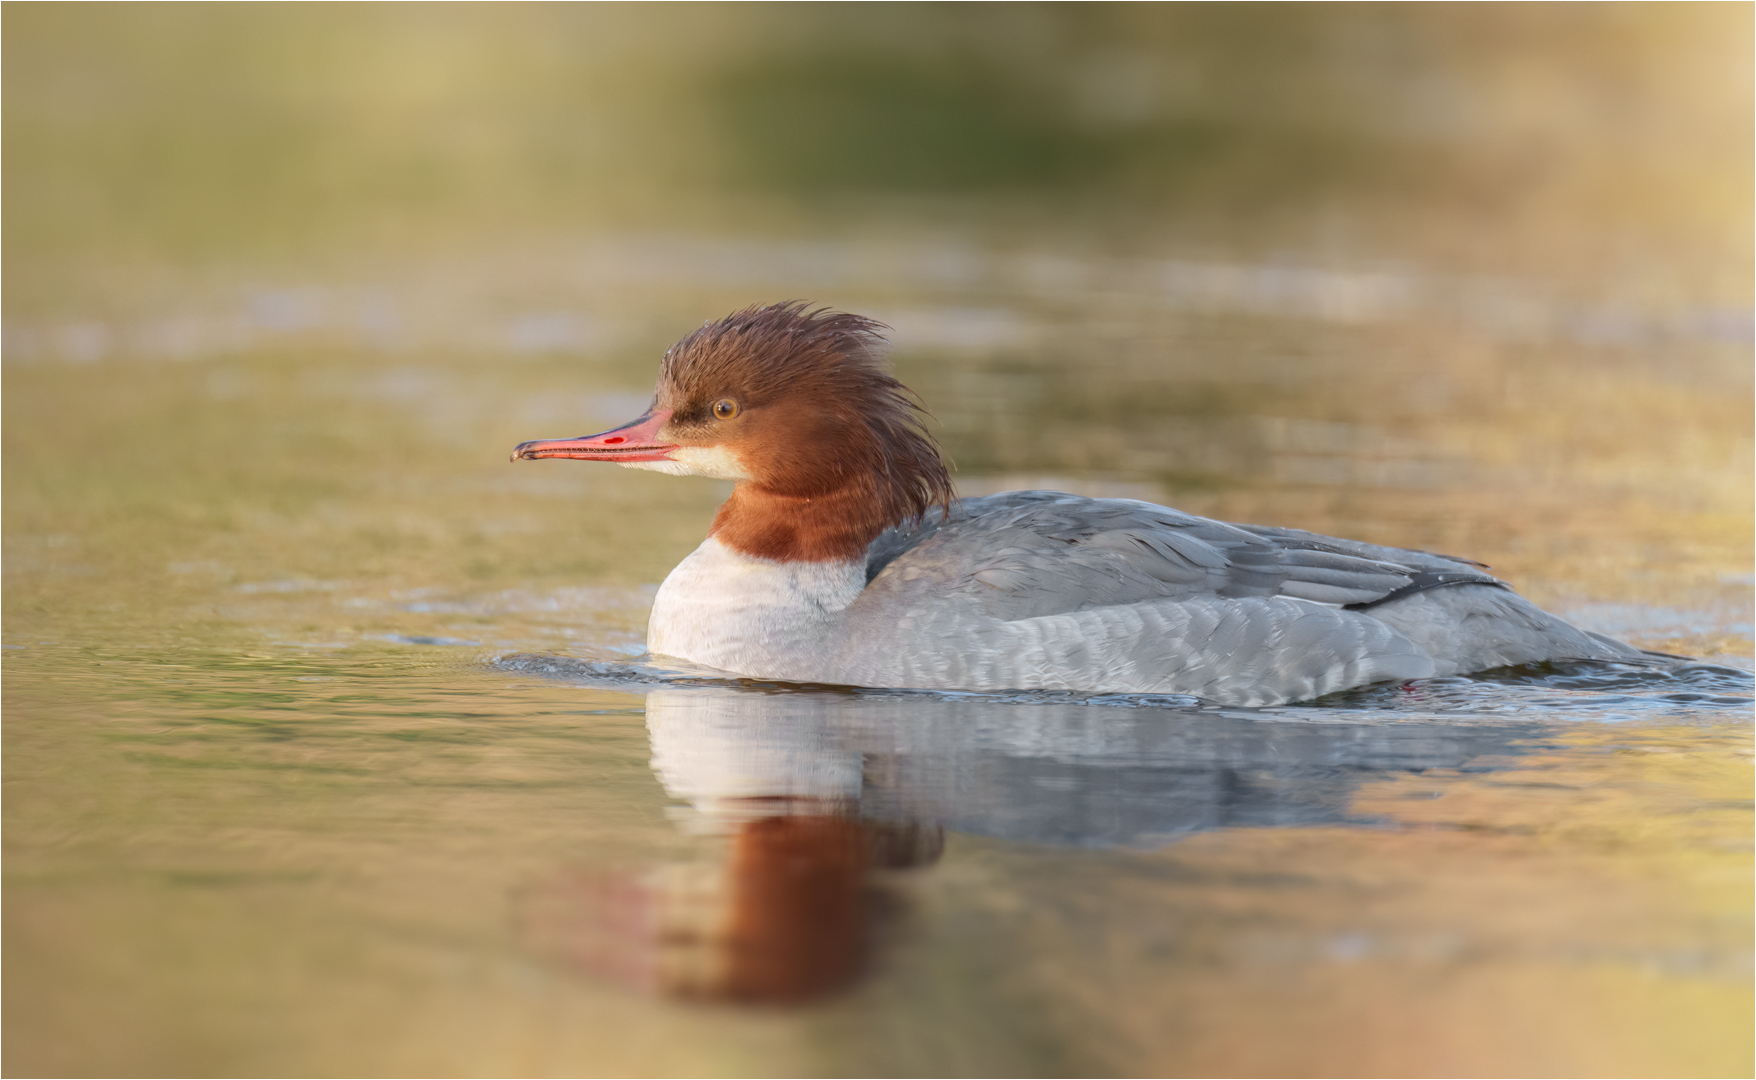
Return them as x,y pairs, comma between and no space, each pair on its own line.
843,557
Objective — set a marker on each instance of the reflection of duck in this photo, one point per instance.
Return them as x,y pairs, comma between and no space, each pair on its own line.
812,792
1086,775
830,563
784,915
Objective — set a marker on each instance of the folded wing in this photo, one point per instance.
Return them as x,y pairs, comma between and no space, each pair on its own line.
1029,554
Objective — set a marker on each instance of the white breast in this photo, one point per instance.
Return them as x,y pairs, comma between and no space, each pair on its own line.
757,617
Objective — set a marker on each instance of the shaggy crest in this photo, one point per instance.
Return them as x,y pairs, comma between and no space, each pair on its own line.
827,365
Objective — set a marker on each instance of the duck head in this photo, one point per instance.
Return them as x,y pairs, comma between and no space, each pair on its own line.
826,447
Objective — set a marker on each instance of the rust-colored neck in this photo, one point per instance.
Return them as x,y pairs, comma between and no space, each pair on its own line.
836,526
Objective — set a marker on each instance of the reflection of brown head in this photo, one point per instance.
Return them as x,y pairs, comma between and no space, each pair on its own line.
784,919
797,919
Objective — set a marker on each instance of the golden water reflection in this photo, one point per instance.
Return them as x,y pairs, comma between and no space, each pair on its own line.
1431,913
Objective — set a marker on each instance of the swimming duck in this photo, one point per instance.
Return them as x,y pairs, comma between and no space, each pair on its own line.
843,556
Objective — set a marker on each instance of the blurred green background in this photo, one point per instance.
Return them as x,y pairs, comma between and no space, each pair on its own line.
1442,274
1604,141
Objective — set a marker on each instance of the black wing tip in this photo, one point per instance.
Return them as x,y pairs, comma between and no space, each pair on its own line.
1430,579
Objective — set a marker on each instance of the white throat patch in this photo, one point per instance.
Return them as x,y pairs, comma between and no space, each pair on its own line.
718,462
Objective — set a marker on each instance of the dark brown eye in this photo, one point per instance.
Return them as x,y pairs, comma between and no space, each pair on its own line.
725,409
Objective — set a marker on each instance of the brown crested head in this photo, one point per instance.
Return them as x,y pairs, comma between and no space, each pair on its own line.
830,447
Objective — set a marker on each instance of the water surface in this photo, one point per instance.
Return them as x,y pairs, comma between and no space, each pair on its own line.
330,747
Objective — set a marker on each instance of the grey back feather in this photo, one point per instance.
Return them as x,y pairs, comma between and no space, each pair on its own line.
1039,589
1027,554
